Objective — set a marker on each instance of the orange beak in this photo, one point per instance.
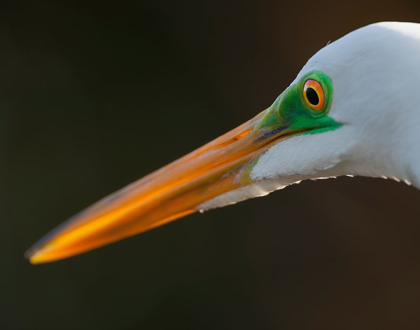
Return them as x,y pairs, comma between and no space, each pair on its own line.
172,192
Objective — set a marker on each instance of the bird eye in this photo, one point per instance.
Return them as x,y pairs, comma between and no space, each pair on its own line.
314,94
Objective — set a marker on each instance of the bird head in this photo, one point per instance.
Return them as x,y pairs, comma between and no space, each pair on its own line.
350,111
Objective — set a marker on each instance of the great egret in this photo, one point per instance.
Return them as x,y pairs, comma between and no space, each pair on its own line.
352,110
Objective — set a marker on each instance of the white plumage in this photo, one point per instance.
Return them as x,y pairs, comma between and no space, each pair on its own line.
375,71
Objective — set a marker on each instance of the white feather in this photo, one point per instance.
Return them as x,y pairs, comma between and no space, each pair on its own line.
375,72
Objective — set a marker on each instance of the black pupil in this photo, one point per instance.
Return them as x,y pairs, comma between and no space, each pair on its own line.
312,96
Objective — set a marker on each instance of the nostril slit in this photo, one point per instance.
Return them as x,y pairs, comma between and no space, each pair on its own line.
226,143
243,134
233,139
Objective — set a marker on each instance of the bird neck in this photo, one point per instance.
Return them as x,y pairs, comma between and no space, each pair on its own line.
390,151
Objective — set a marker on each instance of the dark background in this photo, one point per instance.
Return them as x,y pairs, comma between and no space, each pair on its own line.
94,96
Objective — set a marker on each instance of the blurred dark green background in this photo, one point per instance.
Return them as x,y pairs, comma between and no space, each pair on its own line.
94,96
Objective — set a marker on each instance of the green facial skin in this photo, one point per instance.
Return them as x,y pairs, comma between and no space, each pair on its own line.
291,111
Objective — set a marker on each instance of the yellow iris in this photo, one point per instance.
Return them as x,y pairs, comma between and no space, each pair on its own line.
314,94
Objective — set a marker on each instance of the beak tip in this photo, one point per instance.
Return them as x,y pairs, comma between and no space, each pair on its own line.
36,256
36,259
31,256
